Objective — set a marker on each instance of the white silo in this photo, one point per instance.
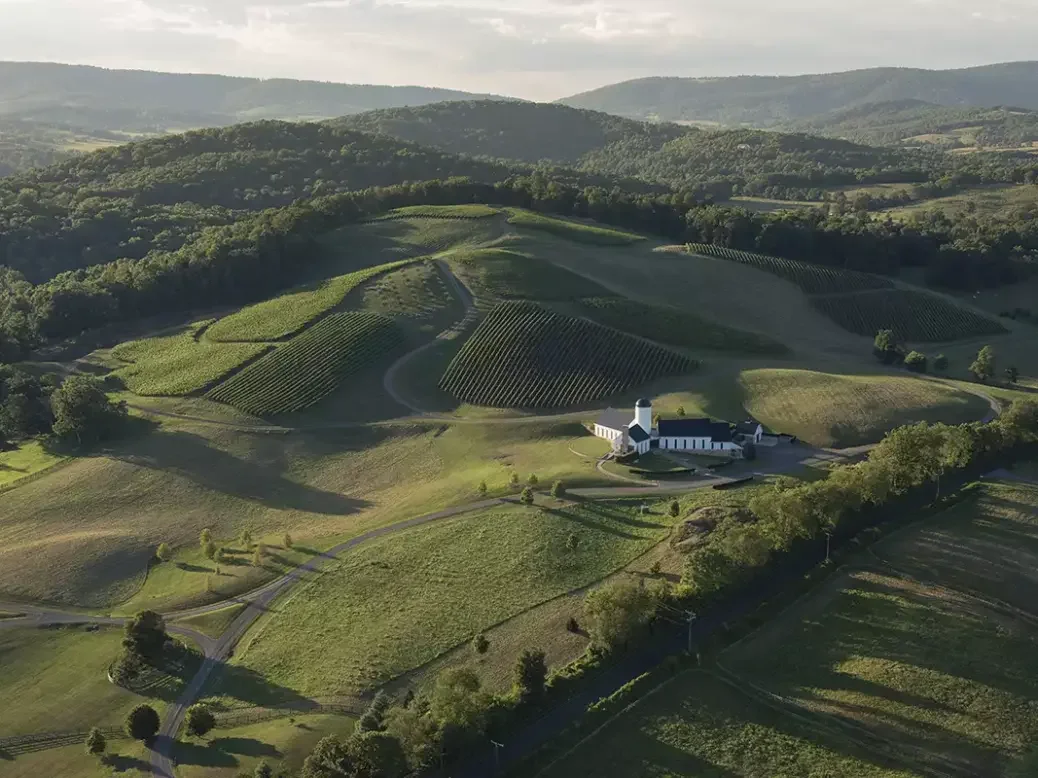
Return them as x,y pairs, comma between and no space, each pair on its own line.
643,414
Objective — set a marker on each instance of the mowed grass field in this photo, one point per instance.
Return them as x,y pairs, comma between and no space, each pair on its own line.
394,604
54,680
848,410
697,726
983,200
894,652
84,534
283,744
126,759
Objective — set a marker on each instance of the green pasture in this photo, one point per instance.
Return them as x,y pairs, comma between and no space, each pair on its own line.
124,759
393,605
471,211
55,680
214,623
697,726
981,200
26,459
282,743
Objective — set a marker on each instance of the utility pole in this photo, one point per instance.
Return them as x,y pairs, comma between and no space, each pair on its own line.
828,539
497,754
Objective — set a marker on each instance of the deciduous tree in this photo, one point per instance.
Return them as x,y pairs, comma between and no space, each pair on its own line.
96,743
142,723
616,611
531,672
983,367
200,720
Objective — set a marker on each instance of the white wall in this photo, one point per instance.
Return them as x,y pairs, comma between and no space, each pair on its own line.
643,418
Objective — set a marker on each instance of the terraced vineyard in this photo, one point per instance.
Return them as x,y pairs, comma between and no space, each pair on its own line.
582,233
499,274
287,315
675,327
310,366
523,356
813,279
913,316
180,364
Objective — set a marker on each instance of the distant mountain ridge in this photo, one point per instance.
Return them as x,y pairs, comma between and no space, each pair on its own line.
146,101
769,100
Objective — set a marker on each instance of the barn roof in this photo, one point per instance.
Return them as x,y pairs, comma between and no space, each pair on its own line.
718,431
747,427
638,435
613,419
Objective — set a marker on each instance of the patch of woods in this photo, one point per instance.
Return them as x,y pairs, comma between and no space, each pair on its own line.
70,412
259,254
889,350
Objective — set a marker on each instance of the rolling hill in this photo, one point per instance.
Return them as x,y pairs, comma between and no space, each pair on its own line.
145,101
768,100
664,153
916,122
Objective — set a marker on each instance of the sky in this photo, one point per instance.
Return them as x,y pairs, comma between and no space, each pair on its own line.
537,49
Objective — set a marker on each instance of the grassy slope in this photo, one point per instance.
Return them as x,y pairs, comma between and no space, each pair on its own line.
282,743
27,459
848,410
986,200
394,604
696,726
571,230
126,759
84,533
54,680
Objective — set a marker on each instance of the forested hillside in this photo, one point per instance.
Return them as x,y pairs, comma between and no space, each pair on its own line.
768,100
146,101
915,122
718,163
126,201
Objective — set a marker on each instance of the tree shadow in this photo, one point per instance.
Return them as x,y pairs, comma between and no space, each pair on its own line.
253,689
190,568
123,764
191,457
246,746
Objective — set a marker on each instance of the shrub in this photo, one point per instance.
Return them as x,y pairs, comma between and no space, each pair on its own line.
263,770
533,480
514,480
96,742
681,410
983,366
482,490
199,720
373,719
209,549
675,509
526,498
480,643
246,539
531,671
286,541
142,723
572,542
205,537
1012,374
656,567
615,612
163,553
916,362
558,490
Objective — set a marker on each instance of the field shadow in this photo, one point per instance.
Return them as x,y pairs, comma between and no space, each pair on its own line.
191,457
254,690
119,763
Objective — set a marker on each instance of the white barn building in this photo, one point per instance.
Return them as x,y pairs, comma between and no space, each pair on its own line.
637,434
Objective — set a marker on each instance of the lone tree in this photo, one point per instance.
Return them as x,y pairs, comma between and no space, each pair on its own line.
533,480
675,509
1012,374
200,720
916,362
96,742
480,643
142,723
209,549
163,553
514,480
205,537
83,411
286,541
526,498
558,490
615,612
373,719
145,635
886,348
940,363
983,367
246,539
681,410
531,672
481,490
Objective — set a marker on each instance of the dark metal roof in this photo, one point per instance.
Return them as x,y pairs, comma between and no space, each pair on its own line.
747,427
718,431
644,403
614,419
638,435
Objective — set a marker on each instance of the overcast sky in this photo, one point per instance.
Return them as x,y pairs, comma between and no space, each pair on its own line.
539,49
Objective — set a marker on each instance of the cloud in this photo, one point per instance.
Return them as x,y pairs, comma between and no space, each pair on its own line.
534,48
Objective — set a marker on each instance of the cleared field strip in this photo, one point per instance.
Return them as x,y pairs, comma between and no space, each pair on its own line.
181,364
675,327
813,279
913,316
287,315
311,365
582,233
500,274
523,356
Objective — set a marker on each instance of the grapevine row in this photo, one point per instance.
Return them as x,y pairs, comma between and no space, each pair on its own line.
523,356
812,279
913,316
310,366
